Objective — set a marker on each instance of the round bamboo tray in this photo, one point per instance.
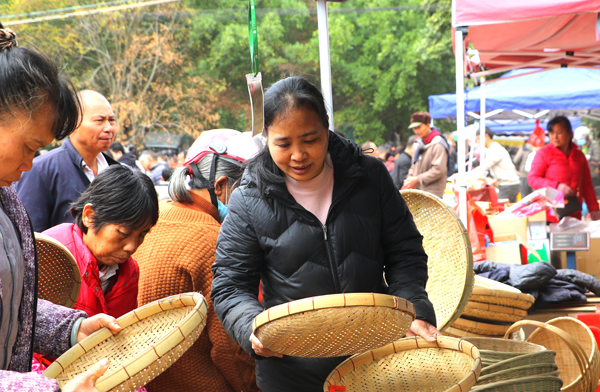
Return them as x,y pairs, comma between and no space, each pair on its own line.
497,350
520,372
480,328
525,384
491,312
459,333
334,325
152,338
496,293
59,279
577,354
541,358
448,248
410,364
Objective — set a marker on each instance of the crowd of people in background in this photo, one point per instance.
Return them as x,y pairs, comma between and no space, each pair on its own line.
428,161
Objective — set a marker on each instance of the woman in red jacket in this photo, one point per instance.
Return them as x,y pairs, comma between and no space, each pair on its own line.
563,166
112,217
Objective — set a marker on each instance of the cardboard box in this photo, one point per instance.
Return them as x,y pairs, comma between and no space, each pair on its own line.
507,249
543,250
509,226
537,231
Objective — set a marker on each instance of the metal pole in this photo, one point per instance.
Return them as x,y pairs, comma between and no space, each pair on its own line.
460,124
482,121
324,58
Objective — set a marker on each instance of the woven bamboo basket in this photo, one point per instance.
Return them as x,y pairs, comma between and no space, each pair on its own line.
491,312
498,350
541,358
480,327
447,245
459,333
520,372
577,354
410,364
334,325
525,384
152,338
59,279
496,293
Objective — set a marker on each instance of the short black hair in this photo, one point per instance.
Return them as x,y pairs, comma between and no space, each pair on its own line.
116,146
562,120
489,132
167,173
120,196
29,80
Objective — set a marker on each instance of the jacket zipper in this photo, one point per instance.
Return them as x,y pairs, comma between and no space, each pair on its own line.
336,281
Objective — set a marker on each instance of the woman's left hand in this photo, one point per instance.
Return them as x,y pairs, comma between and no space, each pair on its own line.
423,329
595,215
94,323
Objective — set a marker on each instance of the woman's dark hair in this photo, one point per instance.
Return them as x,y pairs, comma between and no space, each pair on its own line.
562,120
29,80
282,97
120,196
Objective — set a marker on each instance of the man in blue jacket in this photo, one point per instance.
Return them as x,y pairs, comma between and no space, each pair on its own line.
60,176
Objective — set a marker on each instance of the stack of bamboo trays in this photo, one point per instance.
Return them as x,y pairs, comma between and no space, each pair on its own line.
492,308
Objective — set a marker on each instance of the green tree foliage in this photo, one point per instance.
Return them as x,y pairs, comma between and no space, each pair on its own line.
184,64
385,63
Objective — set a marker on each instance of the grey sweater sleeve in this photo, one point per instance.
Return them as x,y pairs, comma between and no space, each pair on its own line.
53,328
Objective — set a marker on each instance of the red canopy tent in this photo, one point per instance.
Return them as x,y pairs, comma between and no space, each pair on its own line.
509,34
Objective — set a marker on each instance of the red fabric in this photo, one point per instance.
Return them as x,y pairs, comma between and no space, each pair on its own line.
121,299
478,227
432,134
474,12
551,167
517,32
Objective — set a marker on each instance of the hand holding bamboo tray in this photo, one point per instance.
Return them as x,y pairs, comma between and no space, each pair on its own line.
334,325
151,339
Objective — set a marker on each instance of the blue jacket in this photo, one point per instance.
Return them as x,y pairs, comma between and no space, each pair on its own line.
55,180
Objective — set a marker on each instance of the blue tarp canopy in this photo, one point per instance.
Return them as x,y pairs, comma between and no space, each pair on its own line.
522,127
560,88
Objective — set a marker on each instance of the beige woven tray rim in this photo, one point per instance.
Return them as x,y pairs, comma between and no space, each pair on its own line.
480,325
74,295
127,320
325,302
412,343
470,277
483,291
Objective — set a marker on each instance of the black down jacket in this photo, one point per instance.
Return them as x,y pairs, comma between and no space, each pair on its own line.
369,232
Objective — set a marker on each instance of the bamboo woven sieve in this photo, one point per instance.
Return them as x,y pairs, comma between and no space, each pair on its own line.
520,372
334,325
152,338
541,358
492,292
577,354
59,278
448,248
480,327
485,311
411,364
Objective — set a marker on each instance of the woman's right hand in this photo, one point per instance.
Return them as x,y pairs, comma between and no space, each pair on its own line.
261,350
566,190
85,381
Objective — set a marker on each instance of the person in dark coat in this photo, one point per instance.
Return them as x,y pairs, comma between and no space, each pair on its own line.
60,176
313,216
403,163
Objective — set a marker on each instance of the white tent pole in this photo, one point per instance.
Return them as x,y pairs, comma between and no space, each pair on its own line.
324,58
460,123
482,121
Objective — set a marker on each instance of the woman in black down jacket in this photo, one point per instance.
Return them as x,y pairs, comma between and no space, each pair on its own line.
313,216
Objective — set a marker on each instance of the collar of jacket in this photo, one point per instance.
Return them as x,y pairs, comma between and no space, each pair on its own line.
555,149
76,156
344,156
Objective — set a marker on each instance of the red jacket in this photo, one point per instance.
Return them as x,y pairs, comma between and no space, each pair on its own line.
122,298
551,167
